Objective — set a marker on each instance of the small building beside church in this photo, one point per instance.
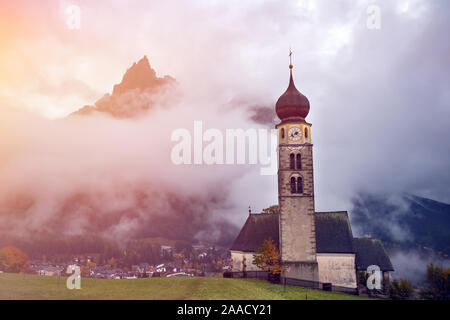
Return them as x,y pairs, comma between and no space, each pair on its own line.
316,247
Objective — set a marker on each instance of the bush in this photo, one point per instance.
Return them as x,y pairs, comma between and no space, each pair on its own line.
362,278
13,260
438,284
274,278
401,290
227,274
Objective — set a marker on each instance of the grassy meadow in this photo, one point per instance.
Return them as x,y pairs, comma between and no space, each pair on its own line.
25,286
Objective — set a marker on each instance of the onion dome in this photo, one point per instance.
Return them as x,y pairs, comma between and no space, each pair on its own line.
292,105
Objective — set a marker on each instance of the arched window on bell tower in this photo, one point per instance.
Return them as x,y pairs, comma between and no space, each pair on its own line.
293,186
306,133
299,161
282,133
292,161
299,185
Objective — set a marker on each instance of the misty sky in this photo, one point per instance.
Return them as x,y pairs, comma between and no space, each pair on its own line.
379,98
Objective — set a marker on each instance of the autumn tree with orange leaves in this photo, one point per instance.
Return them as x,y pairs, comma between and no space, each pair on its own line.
268,258
13,260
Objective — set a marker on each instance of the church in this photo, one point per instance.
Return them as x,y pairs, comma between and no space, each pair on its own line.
315,247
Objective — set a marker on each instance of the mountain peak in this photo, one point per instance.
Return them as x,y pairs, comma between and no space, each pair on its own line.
139,76
144,60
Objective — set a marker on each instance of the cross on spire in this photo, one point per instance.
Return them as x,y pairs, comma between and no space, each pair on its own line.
290,58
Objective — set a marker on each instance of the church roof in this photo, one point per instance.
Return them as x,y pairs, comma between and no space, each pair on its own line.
256,229
333,235
333,232
371,252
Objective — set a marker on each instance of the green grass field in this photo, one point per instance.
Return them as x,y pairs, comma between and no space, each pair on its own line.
24,286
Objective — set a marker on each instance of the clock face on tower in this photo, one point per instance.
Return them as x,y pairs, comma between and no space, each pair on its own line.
295,134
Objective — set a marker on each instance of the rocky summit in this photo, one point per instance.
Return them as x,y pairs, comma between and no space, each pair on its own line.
134,95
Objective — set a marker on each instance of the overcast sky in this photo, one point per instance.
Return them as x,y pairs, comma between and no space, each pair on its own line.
379,97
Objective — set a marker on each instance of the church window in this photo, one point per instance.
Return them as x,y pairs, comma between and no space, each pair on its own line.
299,185
282,133
306,133
292,161
293,187
299,161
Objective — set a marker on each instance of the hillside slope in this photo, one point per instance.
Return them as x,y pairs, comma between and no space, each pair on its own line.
405,222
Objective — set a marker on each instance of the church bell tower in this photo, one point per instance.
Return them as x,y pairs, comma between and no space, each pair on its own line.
296,186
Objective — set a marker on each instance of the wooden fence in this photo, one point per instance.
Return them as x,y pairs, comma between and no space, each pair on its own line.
264,275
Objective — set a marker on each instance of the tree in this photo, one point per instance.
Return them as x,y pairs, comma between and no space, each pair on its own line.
91,265
438,284
13,260
272,209
112,262
268,258
85,272
183,246
401,290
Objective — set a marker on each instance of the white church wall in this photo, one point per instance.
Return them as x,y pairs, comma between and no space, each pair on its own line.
338,269
239,259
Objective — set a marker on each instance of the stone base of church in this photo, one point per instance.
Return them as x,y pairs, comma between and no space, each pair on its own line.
338,269
307,270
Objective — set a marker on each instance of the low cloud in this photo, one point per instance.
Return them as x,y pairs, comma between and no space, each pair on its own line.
412,265
111,177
